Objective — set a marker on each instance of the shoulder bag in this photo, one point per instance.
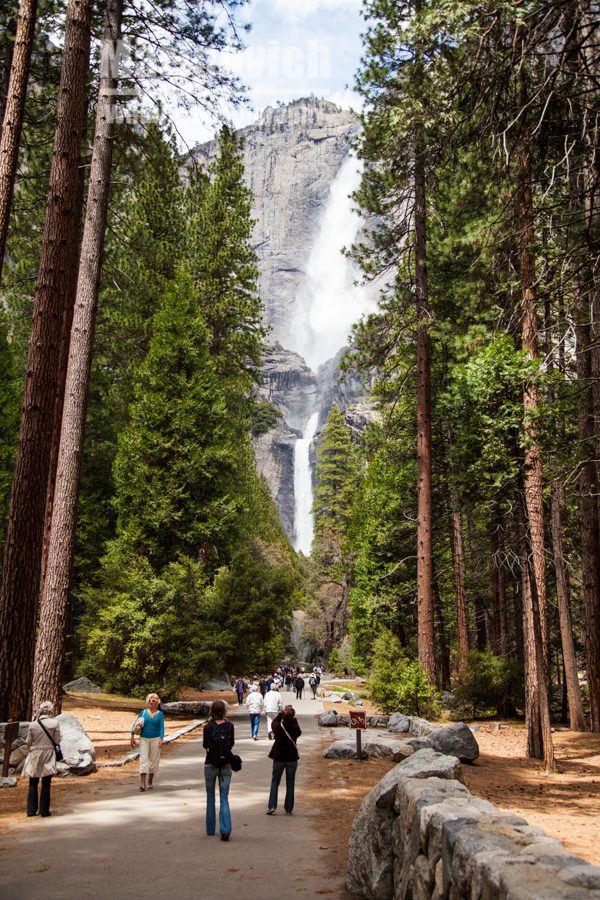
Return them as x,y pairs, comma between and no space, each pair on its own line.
286,732
57,750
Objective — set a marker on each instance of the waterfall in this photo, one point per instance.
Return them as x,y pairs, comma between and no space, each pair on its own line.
303,494
326,307
330,301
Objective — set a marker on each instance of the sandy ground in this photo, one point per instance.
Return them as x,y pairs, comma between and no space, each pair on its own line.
566,805
108,723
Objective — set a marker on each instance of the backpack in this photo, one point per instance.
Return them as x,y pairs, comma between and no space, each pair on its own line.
312,681
220,752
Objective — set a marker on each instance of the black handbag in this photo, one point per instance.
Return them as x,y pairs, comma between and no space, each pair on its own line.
236,762
57,751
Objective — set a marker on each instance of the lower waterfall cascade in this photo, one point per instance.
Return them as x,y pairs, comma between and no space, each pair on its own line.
303,493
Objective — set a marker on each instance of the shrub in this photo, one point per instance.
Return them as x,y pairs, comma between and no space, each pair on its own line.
397,684
491,682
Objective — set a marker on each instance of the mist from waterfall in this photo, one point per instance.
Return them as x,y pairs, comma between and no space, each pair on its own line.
329,302
303,493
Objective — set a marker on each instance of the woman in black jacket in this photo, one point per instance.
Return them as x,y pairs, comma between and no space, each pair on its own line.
218,739
284,754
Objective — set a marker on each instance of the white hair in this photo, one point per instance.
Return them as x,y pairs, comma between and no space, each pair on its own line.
46,708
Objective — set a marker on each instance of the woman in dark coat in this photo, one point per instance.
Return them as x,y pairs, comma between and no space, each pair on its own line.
284,754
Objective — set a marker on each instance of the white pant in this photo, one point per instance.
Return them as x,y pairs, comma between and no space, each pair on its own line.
149,755
270,717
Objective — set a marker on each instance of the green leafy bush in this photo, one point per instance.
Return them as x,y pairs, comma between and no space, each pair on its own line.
334,663
264,417
491,682
397,684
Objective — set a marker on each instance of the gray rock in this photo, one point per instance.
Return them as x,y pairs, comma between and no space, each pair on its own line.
448,700
184,709
399,723
394,750
82,686
377,721
18,755
79,754
350,696
419,743
341,750
329,719
420,727
455,740
334,698
8,782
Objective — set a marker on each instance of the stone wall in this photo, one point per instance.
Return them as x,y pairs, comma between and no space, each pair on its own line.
420,834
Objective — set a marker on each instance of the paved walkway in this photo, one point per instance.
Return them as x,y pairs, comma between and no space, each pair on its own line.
128,845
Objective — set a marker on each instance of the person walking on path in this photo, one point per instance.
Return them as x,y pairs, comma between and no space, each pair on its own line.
151,738
42,736
284,754
299,685
313,683
218,739
240,687
255,704
273,706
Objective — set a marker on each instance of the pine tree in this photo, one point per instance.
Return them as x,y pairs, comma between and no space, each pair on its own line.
336,476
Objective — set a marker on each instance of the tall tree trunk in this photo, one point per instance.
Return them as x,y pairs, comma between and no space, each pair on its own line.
444,674
481,626
576,716
50,649
588,472
8,42
537,710
426,640
12,122
63,359
19,590
458,553
499,592
533,481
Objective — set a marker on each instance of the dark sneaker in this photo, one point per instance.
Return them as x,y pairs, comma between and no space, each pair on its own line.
225,835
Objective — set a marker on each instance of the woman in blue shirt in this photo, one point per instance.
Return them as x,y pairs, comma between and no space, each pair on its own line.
151,738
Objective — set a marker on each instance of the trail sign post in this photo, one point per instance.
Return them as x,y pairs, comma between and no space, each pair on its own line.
11,733
358,721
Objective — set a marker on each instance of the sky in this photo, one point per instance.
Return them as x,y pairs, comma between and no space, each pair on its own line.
295,48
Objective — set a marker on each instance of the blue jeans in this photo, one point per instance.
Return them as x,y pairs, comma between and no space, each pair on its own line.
290,780
211,773
254,721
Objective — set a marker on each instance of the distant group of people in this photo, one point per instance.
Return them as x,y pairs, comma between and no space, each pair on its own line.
283,677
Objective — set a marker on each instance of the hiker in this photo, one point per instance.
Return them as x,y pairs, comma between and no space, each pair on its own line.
299,685
240,687
42,737
218,739
313,683
288,681
150,725
255,704
273,706
284,754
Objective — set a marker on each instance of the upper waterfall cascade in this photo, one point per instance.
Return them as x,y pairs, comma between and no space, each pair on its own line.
327,305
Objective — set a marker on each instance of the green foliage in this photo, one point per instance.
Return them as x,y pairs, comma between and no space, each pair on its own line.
491,682
336,475
265,416
397,684
334,662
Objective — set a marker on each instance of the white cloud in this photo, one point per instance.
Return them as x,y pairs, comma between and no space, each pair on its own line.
295,10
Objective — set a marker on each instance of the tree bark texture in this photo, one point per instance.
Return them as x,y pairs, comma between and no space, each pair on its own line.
24,539
50,648
537,709
14,112
425,606
8,46
462,614
533,479
481,619
498,594
576,717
